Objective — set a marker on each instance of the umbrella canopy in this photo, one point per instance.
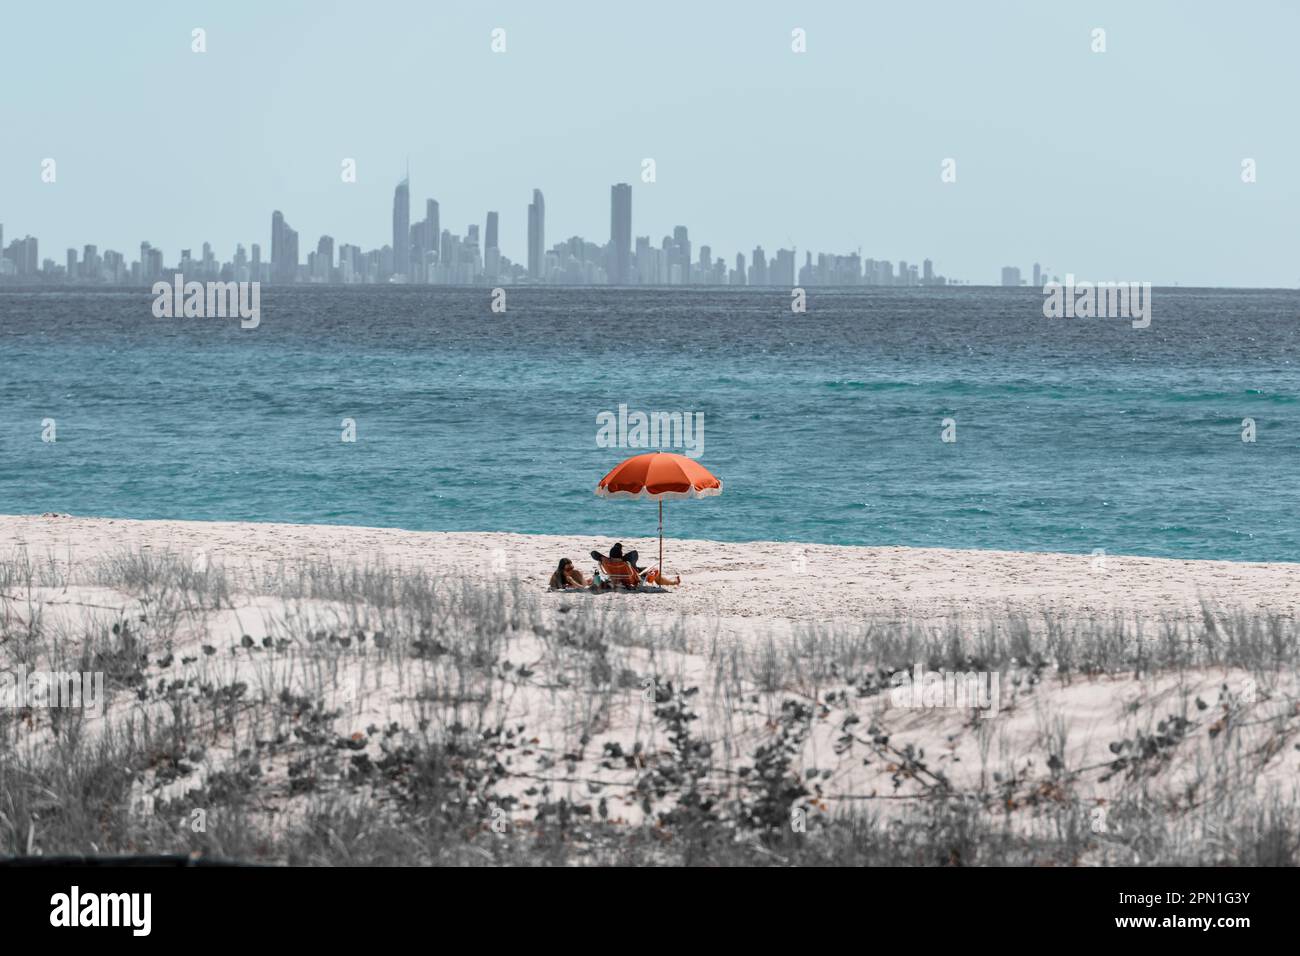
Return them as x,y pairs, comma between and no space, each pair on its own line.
659,475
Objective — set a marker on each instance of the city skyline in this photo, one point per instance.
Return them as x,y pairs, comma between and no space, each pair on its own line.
618,263
424,253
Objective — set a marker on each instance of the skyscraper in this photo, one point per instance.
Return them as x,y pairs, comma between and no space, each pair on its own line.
682,252
620,233
491,253
537,236
758,267
324,259
284,250
402,228
781,269
432,224
151,264
277,244
645,274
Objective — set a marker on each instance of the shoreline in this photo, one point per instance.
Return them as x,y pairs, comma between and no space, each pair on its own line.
606,538
738,585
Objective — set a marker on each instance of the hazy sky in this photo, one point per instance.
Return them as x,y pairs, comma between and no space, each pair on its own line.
1117,165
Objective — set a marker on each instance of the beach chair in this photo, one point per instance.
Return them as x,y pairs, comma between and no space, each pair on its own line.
620,572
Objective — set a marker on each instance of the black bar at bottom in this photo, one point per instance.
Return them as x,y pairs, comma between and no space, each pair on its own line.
223,900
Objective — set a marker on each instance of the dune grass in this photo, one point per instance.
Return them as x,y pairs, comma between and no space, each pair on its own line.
329,713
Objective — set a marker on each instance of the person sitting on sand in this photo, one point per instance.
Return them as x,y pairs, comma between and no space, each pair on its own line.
622,568
567,576
619,571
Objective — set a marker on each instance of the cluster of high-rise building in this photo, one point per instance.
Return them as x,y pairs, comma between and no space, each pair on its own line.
1011,276
424,253
20,260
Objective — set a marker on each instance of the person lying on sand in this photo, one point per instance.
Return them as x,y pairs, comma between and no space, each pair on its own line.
567,576
622,568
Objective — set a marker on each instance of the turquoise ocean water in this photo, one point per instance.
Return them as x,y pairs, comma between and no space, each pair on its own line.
1072,434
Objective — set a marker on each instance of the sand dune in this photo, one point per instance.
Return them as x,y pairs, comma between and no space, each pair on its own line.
1078,722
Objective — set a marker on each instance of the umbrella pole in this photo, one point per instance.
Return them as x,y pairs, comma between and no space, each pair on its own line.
661,537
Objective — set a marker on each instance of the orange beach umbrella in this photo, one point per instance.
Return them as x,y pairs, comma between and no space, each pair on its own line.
659,475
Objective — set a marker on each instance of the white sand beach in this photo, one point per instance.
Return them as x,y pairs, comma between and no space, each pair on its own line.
733,584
